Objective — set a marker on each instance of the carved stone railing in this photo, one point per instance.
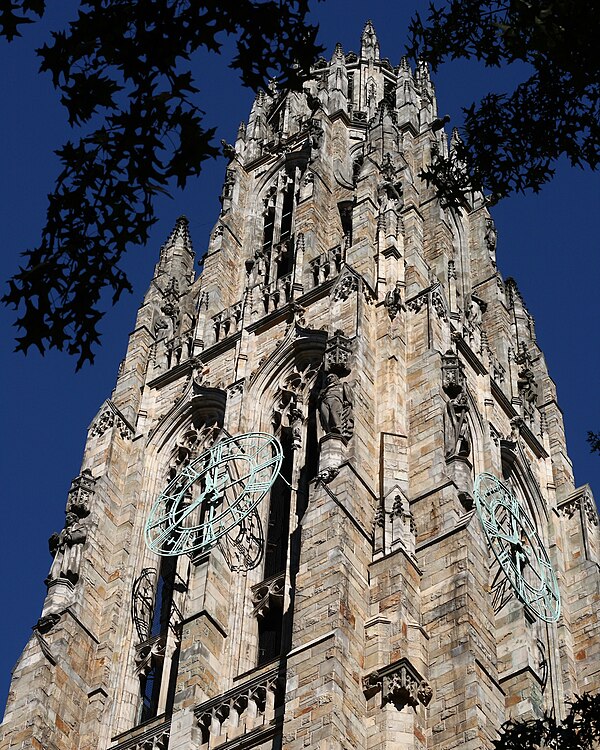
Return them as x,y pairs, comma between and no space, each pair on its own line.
247,707
179,348
277,293
326,266
228,321
580,501
153,738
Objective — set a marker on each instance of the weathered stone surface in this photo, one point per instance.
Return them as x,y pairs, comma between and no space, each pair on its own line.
359,605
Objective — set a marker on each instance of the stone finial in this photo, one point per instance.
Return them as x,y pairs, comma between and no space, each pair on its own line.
406,92
338,55
422,74
180,237
338,81
177,253
455,139
369,46
404,68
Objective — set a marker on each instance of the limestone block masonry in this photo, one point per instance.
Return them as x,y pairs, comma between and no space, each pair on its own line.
342,310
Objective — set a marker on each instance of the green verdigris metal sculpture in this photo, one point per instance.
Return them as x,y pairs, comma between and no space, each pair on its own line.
518,548
230,479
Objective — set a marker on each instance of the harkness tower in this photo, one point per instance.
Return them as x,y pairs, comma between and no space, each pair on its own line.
328,503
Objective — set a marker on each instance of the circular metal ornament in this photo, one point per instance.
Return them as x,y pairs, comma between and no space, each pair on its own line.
213,494
518,548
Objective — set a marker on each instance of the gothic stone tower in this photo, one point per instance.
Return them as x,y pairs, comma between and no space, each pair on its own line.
367,602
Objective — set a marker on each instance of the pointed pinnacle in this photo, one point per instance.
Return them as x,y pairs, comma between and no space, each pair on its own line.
369,46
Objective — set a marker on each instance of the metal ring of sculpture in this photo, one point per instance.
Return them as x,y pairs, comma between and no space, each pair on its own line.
518,548
232,478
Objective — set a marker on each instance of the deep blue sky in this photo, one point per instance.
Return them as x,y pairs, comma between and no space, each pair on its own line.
548,242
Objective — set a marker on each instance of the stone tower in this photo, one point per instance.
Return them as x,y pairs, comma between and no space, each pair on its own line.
367,601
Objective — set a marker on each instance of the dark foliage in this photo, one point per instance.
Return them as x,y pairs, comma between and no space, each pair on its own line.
510,141
579,731
593,439
123,70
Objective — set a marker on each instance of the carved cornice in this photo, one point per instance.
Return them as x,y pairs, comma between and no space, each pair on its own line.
400,684
110,417
155,736
268,594
581,500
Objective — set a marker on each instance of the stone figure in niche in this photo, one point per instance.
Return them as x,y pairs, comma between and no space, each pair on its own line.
315,136
227,193
390,194
491,238
260,268
66,548
527,386
160,325
393,300
197,375
458,441
335,407
357,166
296,419
475,311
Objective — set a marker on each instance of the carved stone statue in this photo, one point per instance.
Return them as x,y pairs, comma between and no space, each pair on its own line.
527,386
474,313
458,441
66,548
197,375
335,407
393,300
260,268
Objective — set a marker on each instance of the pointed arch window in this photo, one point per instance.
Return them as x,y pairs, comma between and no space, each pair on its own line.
276,257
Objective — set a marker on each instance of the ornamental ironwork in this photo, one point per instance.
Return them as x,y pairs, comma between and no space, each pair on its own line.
522,557
213,494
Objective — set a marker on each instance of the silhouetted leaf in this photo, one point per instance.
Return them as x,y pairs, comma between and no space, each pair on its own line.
512,140
124,65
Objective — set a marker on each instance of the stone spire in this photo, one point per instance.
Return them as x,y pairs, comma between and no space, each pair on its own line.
338,81
177,253
342,310
426,89
257,130
369,46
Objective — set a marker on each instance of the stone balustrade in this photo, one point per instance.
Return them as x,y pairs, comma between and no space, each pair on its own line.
326,266
244,708
155,737
277,293
228,321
